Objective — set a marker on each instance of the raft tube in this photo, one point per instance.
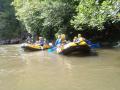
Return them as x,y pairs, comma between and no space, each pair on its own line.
33,47
80,48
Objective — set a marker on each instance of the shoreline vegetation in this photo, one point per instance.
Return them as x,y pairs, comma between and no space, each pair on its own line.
96,20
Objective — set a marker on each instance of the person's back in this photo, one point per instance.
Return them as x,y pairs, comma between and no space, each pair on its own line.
75,39
58,41
45,41
63,39
80,38
41,41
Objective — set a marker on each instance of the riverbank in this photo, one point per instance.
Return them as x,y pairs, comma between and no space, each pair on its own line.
10,41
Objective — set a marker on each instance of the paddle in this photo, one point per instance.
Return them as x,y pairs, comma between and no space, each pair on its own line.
52,49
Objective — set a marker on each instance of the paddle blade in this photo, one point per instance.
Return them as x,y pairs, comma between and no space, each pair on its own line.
52,49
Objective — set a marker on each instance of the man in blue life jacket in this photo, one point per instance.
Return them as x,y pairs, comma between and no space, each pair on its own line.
58,42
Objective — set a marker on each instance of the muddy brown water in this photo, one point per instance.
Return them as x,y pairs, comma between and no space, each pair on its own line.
41,70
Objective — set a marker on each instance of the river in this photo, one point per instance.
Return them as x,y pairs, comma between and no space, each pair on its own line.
41,70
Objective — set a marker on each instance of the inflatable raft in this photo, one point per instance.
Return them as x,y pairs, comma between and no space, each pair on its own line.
72,47
34,47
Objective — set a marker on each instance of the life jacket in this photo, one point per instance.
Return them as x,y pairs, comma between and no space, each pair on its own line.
58,42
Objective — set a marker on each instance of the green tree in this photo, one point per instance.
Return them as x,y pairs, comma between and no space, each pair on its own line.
92,14
9,25
46,17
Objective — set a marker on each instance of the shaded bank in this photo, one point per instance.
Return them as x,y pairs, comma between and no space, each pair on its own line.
11,41
10,27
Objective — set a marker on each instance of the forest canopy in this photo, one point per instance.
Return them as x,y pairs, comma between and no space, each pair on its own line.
48,17
94,13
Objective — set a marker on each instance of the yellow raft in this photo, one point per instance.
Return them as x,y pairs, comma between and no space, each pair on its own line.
34,47
73,47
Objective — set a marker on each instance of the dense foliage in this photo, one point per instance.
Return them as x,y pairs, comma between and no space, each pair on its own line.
95,13
48,17
9,25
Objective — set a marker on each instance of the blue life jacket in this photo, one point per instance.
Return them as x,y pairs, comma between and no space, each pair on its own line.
58,42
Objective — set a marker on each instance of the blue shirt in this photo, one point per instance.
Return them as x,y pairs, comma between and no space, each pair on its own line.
58,42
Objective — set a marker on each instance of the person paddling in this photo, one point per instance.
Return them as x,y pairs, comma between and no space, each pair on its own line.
75,39
41,41
58,42
80,38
